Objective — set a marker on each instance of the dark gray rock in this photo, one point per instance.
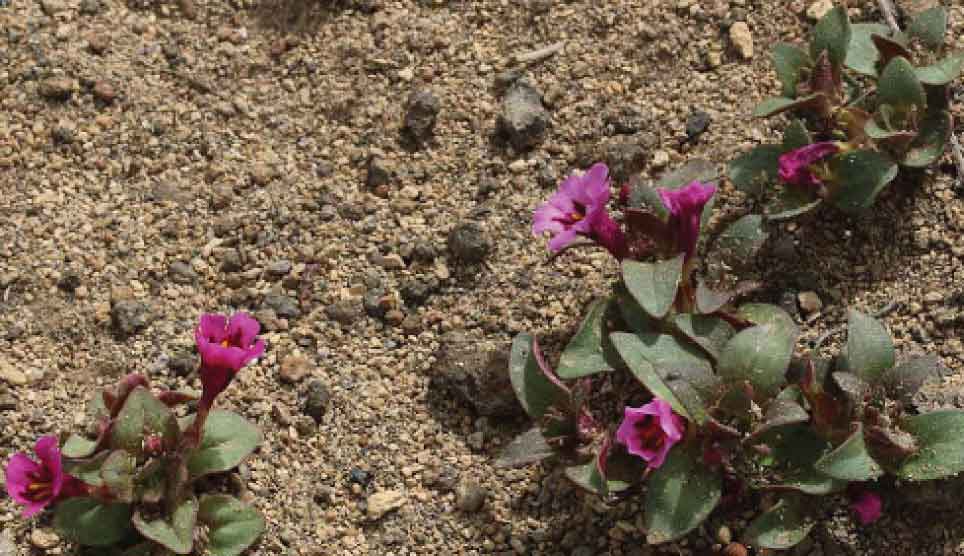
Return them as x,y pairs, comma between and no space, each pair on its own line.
90,7
284,306
129,316
372,302
468,243
477,371
421,115
182,273
379,172
317,399
278,269
231,260
182,364
470,496
696,124
416,291
345,312
625,157
524,120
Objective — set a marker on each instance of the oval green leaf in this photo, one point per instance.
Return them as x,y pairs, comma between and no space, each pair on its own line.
232,525
586,353
782,526
850,461
860,177
681,494
175,534
91,523
751,172
653,285
832,34
899,85
228,439
759,355
788,61
940,452
869,351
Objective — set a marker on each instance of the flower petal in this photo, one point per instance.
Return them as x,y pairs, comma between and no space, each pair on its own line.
213,327
547,219
243,329
19,470
562,239
48,451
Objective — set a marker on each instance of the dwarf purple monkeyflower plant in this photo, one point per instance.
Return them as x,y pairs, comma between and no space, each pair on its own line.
650,431
685,206
38,483
579,208
797,166
138,470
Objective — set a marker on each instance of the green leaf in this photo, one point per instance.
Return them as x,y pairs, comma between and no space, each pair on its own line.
653,285
899,86
709,332
795,136
635,352
832,34
142,415
860,177
117,473
739,243
232,525
904,380
862,54
228,439
850,461
940,449
929,145
766,314
812,482
176,535
694,170
759,355
870,351
89,522
777,105
586,352
681,494
788,60
633,315
78,447
790,202
782,413
590,476
88,470
943,72
929,26
782,526
751,172
528,447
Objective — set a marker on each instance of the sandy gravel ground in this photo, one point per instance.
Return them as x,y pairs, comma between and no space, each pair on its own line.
153,167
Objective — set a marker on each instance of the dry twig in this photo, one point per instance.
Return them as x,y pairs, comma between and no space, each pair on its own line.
540,54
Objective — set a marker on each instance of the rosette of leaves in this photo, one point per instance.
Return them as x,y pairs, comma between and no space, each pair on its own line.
849,419
141,498
660,334
858,85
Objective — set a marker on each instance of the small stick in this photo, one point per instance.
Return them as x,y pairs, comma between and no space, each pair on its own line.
573,245
887,8
884,311
540,54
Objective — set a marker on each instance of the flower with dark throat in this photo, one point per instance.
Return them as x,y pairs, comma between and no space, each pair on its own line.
578,208
225,347
39,483
650,431
868,506
685,206
796,166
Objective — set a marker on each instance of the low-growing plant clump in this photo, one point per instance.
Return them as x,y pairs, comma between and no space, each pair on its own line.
132,487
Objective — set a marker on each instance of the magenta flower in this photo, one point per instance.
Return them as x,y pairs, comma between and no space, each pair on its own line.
650,431
37,484
867,505
225,347
795,166
685,206
578,208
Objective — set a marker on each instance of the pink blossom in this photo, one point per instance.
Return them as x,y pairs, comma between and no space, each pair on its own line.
685,206
578,208
650,431
37,484
867,505
795,166
225,347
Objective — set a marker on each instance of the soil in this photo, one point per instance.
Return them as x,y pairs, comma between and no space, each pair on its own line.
156,166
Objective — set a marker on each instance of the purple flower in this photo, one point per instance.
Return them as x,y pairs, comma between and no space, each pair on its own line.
650,431
579,208
685,206
37,484
225,347
795,165
867,505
